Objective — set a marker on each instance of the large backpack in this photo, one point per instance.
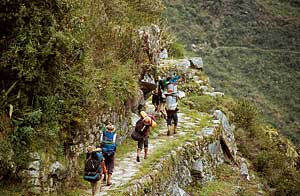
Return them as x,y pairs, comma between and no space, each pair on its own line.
171,102
171,87
108,140
92,168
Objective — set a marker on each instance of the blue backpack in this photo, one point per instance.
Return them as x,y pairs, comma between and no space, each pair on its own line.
108,142
92,168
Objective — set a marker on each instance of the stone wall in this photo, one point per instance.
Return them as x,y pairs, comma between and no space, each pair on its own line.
46,174
195,160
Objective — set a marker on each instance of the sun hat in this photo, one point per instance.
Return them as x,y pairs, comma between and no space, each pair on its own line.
90,148
110,127
147,120
97,150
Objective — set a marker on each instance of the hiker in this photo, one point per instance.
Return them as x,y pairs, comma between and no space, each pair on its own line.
94,168
163,53
171,106
108,145
160,107
141,133
155,99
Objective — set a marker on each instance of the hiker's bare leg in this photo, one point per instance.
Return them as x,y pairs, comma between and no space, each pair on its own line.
100,182
98,186
158,108
175,117
104,177
163,115
169,127
108,180
146,153
163,112
175,127
93,188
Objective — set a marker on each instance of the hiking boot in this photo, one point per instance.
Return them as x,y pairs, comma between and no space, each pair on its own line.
137,159
175,128
104,178
108,184
168,133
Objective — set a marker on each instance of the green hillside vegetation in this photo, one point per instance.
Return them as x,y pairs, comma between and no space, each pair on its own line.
62,62
250,49
273,157
226,183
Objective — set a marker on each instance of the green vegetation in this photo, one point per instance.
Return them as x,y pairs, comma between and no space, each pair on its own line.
62,63
176,50
228,182
273,156
269,79
250,50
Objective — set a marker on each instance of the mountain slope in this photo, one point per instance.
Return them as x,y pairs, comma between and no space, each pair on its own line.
251,50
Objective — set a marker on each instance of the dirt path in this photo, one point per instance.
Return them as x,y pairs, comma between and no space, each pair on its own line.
257,49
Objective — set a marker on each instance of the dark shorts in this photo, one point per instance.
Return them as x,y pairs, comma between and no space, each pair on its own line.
155,99
109,162
142,143
172,115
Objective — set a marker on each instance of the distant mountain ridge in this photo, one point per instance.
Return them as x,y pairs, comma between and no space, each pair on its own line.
251,49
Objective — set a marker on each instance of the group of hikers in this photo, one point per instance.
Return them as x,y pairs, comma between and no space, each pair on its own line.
100,161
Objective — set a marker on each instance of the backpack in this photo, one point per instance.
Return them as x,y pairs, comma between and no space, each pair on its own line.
108,140
171,102
92,168
171,87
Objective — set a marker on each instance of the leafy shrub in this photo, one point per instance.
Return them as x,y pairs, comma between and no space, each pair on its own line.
245,115
202,103
176,50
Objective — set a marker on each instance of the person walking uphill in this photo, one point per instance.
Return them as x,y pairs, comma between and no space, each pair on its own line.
141,133
93,168
108,145
172,109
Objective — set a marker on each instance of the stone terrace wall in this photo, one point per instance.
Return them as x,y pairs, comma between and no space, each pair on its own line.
195,160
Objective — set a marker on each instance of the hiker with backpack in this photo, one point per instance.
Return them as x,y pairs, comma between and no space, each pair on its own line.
155,99
141,133
94,168
108,145
171,105
160,108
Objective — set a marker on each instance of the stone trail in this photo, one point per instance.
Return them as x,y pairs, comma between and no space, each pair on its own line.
126,168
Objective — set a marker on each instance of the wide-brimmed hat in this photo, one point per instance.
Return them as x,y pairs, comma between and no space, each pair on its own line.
147,120
97,150
90,148
110,127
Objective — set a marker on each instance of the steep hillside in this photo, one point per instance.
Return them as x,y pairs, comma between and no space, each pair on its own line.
66,69
251,50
